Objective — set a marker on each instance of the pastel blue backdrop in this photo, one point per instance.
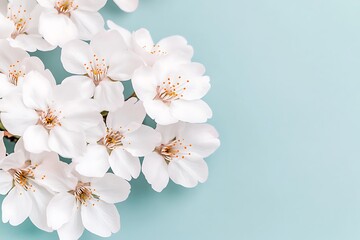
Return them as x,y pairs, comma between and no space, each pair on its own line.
286,101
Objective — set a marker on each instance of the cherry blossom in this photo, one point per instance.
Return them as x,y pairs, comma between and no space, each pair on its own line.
19,25
103,64
47,119
172,89
64,20
21,177
142,44
180,156
88,204
86,119
119,143
15,63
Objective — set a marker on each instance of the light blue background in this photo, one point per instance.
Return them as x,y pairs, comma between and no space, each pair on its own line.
286,101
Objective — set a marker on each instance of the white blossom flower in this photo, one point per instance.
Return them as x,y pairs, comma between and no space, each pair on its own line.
21,177
15,63
89,204
127,5
180,156
104,63
65,20
46,119
142,44
119,143
172,90
19,25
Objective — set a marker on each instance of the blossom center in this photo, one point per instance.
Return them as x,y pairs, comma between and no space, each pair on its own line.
96,69
174,149
14,74
112,140
22,176
155,50
65,6
49,118
82,193
171,89
20,19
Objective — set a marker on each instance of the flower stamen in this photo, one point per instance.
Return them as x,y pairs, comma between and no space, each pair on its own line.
49,119
171,89
155,50
65,6
174,149
14,74
21,176
19,16
112,140
82,193
96,69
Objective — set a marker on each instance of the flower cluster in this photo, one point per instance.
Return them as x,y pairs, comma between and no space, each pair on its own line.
87,119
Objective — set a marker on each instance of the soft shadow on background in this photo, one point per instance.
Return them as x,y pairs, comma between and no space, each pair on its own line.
286,84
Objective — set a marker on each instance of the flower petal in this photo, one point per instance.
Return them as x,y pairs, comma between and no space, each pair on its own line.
160,112
109,95
123,65
169,132
60,210
189,171
67,143
76,86
124,164
87,23
47,3
108,44
141,141
93,135
6,27
6,87
101,218
56,28
111,188
31,43
40,198
10,55
6,182
124,32
145,83
200,111
13,161
196,88
80,115
131,112
203,138
142,41
73,229
17,122
36,91
53,173
94,162
16,206
91,5
127,5
36,139
178,45
155,170
74,55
